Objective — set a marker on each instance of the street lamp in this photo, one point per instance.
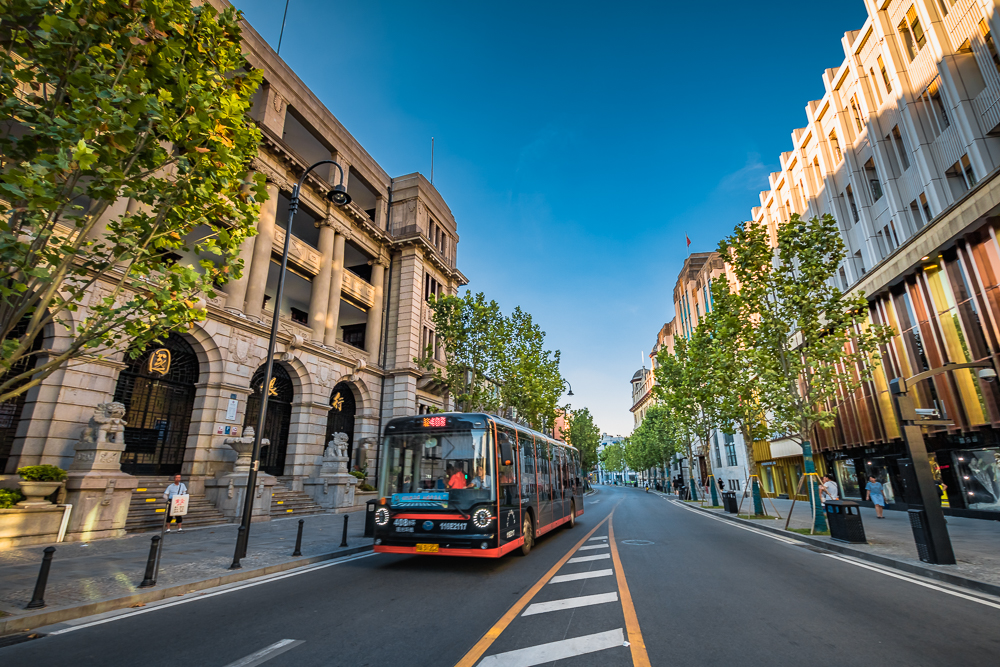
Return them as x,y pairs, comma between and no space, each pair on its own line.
570,387
339,197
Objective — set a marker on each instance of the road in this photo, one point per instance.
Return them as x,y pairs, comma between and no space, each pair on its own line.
640,580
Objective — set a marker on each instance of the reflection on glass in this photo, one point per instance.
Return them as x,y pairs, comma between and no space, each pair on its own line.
847,475
979,476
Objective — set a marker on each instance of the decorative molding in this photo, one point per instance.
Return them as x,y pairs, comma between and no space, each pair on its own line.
270,173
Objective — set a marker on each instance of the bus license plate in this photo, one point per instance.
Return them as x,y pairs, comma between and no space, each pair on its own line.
427,548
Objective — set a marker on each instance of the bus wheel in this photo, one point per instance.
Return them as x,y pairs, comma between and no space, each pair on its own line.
529,535
572,515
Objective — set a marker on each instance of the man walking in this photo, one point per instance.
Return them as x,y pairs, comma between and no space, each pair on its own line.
178,488
828,490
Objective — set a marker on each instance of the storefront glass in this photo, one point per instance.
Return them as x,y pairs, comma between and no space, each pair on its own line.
877,468
768,476
847,475
942,488
979,474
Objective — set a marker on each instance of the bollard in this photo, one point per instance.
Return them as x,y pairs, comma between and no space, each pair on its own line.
240,550
343,540
298,539
150,578
38,598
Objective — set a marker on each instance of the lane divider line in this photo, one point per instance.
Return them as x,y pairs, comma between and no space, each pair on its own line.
195,597
763,533
267,653
570,603
477,651
636,643
914,581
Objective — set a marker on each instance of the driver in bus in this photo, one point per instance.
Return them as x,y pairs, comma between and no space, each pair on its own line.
456,478
481,481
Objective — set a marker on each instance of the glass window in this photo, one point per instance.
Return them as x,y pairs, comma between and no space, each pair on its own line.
730,449
984,30
885,75
979,475
847,478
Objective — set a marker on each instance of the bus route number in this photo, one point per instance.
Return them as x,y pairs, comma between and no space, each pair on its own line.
404,525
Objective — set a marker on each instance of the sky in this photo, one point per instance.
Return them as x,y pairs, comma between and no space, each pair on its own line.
577,143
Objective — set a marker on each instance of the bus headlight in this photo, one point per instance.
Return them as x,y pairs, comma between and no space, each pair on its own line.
481,517
381,516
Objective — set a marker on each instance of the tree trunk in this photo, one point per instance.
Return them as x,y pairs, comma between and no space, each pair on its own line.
819,524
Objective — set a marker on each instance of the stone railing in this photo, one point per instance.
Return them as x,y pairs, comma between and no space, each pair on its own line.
358,289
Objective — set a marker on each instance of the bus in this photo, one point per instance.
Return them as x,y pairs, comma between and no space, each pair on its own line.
469,484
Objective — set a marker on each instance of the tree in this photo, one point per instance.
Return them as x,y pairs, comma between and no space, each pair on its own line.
812,343
105,103
612,457
584,434
657,437
493,362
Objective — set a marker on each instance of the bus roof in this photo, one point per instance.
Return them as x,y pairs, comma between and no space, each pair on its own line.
401,421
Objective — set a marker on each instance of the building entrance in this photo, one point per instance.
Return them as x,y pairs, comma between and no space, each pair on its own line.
157,389
340,418
278,418
10,411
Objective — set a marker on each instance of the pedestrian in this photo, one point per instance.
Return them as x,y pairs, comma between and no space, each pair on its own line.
722,485
178,488
876,494
828,490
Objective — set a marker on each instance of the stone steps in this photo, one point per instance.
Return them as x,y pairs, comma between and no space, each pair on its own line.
284,501
148,497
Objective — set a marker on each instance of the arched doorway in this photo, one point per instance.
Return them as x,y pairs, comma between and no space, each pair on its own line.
278,418
340,418
158,390
10,411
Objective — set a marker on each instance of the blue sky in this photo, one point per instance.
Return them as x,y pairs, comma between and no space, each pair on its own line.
576,143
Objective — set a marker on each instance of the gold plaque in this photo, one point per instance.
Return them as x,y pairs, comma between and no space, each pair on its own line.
338,402
159,361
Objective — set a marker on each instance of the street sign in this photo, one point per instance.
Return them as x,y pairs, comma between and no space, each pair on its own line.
179,505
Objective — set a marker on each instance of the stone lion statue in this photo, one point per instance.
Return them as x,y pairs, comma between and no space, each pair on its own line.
337,448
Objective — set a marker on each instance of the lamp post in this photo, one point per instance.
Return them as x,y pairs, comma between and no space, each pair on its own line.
570,392
339,197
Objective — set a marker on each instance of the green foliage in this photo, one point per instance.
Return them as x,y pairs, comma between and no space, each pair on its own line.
806,330
655,441
364,486
584,434
107,102
358,474
493,362
612,457
42,473
10,497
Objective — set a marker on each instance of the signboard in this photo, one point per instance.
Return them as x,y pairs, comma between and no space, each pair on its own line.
437,499
231,408
179,505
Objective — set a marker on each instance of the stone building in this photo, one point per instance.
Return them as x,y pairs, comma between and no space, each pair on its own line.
903,149
354,316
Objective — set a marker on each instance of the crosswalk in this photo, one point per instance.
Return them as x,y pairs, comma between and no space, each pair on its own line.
596,586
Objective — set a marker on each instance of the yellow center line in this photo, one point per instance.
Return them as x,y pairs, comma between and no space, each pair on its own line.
636,643
477,651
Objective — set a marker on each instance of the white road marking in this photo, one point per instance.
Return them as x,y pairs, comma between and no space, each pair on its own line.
584,559
593,546
266,654
567,648
736,525
593,574
570,603
205,596
601,537
913,580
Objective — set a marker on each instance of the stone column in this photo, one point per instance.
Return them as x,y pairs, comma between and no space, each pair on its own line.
373,329
259,265
320,298
236,290
381,218
336,282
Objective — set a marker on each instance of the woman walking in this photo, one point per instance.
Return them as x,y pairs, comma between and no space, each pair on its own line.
876,494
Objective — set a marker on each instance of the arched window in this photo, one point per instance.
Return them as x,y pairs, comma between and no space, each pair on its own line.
340,418
278,418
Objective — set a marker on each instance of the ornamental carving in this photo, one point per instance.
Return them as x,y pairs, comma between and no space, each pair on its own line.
270,173
241,349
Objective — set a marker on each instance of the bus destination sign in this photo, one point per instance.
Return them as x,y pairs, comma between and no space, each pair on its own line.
435,422
426,499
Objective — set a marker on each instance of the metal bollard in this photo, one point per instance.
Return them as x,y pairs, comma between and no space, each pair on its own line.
150,577
298,539
343,540
38,598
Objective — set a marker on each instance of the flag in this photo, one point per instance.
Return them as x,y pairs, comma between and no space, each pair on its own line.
688,240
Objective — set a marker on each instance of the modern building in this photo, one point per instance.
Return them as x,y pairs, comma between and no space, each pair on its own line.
605,476
354,316
903,149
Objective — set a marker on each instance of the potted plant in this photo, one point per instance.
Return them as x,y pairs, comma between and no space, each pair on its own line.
37,482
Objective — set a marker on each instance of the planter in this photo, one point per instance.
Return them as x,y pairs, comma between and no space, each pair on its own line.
35,492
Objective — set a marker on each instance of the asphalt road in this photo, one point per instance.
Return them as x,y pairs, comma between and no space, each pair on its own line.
654,579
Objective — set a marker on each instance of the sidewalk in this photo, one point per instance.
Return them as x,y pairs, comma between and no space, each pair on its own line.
976,542
105,574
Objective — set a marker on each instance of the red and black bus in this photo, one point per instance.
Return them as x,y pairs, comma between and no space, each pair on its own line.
458,484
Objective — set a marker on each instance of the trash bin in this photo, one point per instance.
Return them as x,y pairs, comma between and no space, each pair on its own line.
370,518
729,502
844,519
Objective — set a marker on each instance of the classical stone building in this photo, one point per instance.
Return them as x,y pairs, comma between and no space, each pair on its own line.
354,316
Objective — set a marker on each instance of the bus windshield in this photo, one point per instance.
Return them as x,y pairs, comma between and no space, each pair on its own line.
458,463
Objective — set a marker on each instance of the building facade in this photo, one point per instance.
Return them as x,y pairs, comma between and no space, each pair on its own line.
903,149
354,316
605,476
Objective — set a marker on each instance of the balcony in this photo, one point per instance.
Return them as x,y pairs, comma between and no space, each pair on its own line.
358,290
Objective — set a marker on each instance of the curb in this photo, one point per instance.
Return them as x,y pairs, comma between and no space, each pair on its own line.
944,577
39,619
